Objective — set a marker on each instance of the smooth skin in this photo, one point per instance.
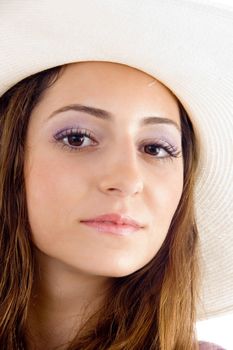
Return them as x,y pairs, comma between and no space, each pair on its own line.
69,178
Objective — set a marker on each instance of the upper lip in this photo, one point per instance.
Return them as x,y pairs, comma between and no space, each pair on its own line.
117,219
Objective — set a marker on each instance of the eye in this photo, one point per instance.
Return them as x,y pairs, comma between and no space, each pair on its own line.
162,149
75,139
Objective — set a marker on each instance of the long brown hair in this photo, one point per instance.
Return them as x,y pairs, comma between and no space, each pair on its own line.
152,308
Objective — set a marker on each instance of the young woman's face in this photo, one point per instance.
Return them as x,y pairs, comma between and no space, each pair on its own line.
130,164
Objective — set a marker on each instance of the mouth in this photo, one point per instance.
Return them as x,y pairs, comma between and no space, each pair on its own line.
116,219
111,227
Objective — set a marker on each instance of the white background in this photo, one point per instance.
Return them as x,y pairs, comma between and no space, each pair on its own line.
217,330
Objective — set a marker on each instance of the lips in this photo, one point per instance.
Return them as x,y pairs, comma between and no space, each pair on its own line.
115,219
111,228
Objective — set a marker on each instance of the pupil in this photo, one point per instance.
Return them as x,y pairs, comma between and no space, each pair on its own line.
153,149
75,139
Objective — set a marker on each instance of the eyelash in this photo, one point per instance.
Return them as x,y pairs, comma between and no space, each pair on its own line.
171,150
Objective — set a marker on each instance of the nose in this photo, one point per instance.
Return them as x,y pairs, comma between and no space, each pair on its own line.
121,175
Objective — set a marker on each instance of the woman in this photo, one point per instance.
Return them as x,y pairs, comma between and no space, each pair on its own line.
98,137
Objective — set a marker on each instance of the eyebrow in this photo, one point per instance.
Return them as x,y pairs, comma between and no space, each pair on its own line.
106,115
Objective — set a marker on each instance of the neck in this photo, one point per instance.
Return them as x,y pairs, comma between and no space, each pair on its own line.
62,300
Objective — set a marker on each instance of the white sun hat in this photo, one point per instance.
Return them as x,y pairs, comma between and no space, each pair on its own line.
188,46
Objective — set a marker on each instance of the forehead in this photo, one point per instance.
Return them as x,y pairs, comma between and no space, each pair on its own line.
114,87
112,75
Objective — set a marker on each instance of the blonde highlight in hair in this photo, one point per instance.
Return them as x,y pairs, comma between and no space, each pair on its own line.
153,308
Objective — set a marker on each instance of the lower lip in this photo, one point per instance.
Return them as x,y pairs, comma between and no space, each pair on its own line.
121,230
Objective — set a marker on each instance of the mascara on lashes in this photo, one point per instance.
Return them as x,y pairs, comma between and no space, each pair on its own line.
162,143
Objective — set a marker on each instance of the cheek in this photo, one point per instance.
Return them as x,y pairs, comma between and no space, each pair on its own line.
164,199
51,201
169,194
167,189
